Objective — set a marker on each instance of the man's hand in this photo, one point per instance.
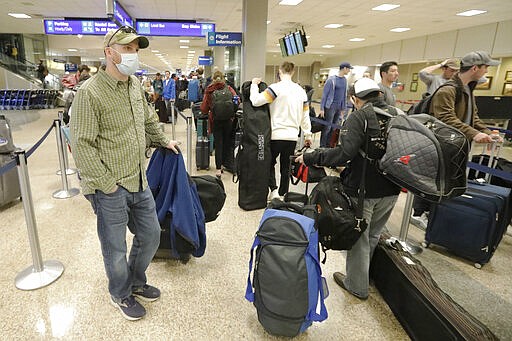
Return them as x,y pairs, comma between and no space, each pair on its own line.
482,138
321,114
256,81
307,142
300,158
173,145
444,63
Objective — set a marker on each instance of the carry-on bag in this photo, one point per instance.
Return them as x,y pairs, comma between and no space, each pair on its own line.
6,142
423,309
490,157
286,286
9,183
469,226
212,195
203,153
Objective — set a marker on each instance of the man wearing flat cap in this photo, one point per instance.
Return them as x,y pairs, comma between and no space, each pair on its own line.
109,125
449,67
334,98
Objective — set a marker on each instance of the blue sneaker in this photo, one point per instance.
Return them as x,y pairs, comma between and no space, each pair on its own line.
146,293
129,308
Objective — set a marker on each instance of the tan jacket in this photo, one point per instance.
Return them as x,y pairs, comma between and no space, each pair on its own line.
447,110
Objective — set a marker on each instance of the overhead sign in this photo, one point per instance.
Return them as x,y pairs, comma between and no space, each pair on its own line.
224,38
85,27
205,60
174,28
121,16
69,67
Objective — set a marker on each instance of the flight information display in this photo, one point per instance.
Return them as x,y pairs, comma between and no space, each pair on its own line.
173,28
121,15
75,26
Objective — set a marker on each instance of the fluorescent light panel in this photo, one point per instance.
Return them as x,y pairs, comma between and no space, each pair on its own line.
20,15
400,29
72,50
183,47
184,41
290,2
268,22
333,25
356,39
327,46
385,7
471,13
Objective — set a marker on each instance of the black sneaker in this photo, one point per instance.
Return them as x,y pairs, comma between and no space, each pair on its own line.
129,307
146,293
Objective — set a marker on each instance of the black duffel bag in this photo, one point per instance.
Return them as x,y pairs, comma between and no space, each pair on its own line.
211,194
338,228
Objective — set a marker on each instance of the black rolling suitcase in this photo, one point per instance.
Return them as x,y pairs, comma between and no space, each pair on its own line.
471,225
161,110
203,153
423,309
490,157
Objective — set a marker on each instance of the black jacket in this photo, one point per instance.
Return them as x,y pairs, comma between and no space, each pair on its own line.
348,153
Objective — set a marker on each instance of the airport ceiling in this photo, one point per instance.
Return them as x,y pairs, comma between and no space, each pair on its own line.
359,21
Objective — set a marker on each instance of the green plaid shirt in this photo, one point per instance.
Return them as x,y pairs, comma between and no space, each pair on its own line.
109,124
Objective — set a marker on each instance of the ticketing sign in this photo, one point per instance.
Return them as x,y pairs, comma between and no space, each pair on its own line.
174,28
224,38
77,26
205,60
121,16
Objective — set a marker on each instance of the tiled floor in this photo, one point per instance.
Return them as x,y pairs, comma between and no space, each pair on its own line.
204,299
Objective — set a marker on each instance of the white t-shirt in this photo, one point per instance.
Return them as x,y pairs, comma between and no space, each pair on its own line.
289,109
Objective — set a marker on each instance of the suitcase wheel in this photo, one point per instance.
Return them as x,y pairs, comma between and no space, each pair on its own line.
478,265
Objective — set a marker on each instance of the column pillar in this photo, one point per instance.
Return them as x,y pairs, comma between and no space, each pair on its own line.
254,28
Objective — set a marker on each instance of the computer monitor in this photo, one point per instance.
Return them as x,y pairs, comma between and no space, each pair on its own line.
282,45
288,43
293,43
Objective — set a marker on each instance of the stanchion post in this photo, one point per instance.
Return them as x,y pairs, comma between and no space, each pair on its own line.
69,171
173,129
404,228
65,192
41,273
189,144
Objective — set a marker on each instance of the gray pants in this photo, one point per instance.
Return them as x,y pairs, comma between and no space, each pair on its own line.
376,212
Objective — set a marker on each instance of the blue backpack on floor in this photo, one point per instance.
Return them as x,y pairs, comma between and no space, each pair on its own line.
287,284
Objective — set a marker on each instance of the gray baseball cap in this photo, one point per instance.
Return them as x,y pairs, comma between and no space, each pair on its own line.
478,58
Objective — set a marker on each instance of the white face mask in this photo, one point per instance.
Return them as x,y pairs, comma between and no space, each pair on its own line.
129,63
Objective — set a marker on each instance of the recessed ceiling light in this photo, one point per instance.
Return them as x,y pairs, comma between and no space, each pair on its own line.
385,7
471,13
400,29
183,47
290,2
72,50
356,39
327,46
20,15
155,51
268,22
184,41
191,51
79,36
333,25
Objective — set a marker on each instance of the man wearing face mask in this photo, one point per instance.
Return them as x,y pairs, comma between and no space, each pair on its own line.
110,121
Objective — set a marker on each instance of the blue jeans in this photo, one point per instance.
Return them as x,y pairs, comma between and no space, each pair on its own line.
376,212
331,115
114,212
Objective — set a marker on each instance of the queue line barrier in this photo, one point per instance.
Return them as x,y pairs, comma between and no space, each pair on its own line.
40,273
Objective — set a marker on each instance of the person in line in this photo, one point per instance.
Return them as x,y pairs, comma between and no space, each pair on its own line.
169,94
42,72
448,67
380,195
388,74
158,87
289,111
333,104
109,126
455,105
193,89
221,128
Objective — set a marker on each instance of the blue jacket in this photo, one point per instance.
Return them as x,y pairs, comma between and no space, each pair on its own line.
329,93
193,90
176,194
169,88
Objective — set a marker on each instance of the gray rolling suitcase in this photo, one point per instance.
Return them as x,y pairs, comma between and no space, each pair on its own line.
9,184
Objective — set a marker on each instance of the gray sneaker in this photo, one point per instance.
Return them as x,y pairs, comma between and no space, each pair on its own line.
129,308
420,221
146,293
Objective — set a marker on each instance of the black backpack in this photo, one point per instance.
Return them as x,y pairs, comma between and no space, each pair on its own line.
223,107
423,106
